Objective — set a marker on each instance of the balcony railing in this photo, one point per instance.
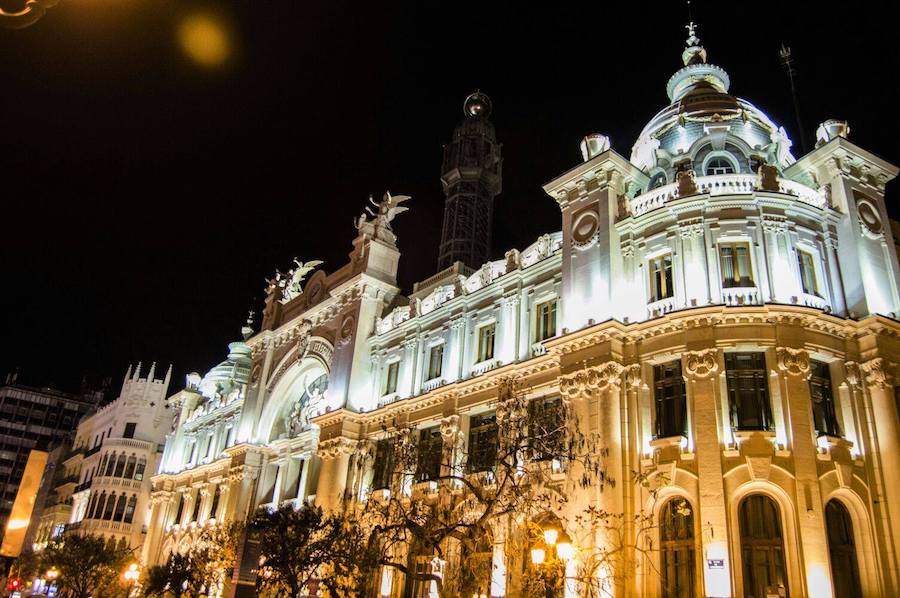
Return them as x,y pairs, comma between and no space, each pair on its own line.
735,296
661,307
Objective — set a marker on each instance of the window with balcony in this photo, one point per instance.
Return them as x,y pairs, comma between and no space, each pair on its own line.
545,320
719,165
670,399
383,465
486,342
483,442
807,273
736,265
435,361
820,391
119,513
390,378
129,509
661,284
428,456
748,391
547,428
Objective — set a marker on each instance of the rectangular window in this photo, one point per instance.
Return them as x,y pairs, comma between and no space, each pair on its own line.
736,270
547,428
748,391
661,286
824,417
807,273
482,442
670,398
436,361
390,379
129,430
428,456
384,464
545,316
486,342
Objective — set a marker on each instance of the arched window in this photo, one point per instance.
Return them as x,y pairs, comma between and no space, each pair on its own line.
129,467
110,506
103,462
844,567
762,547
676,549
129,510
110,464
98,507
120,508
719,165
139,472
657,180
91,506
120,466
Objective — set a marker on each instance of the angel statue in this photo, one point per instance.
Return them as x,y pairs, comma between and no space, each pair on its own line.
379,226
300,273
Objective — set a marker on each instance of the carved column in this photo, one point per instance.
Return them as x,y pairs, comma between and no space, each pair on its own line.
410,364
509,318
793,365
885,446
335,454
700,369
781,285
456,353
159,512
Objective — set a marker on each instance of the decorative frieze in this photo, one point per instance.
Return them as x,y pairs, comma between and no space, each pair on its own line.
591,379
336,447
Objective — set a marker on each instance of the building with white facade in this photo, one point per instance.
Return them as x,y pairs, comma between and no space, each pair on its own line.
724,313
102,484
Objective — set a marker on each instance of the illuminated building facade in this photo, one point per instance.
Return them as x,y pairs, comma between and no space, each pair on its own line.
724,312
101,485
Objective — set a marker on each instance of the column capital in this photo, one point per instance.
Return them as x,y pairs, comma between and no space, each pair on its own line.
333,448
633,376
591,379
701,364
877,372
853,376
793,362
449,428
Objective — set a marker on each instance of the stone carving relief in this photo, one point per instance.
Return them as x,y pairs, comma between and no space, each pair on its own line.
591,379
794,362
877,374
701,364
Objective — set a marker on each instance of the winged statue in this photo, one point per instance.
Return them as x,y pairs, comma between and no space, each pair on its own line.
300,272
378,221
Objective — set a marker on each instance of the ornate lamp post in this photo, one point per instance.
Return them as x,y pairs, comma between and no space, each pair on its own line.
131,575
29,15
554,551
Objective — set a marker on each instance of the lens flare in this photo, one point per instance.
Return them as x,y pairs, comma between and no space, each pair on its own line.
204,39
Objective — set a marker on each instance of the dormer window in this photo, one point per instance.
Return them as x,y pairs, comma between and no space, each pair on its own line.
719,165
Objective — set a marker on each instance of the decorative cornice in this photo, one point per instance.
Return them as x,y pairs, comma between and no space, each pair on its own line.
701,364
794,362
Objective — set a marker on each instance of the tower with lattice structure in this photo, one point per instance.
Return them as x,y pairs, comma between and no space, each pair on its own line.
471,176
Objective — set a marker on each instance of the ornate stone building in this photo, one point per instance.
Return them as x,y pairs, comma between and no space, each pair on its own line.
723,314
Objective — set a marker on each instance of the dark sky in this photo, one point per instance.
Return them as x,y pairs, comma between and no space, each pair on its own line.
145,198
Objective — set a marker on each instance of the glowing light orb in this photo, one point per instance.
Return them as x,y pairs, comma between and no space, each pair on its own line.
204,39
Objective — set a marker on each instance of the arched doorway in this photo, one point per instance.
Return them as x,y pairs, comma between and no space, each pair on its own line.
762,547
842,550
676,547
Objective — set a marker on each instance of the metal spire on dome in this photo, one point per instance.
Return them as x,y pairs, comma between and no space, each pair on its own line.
693,52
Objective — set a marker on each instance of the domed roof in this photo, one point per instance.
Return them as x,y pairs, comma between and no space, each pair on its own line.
700,100
232,373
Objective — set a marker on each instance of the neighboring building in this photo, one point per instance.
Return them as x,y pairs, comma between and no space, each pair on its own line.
33,418
102,484
723,314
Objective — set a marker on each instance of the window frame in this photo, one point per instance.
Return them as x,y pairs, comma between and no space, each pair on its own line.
483,434
391,377
675,404
436,350
657,293
485,350
811,256
736,378
737,280
545,319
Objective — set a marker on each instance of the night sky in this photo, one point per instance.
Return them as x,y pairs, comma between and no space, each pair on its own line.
146,196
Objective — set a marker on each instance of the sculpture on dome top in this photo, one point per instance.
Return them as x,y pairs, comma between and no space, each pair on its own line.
379,225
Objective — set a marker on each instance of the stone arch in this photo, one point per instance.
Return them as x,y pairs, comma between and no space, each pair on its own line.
866,553
787,514
295,384
733,147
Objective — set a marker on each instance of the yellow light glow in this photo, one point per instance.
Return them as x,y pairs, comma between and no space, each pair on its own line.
17,523
204,39
565,551
550,536
537,556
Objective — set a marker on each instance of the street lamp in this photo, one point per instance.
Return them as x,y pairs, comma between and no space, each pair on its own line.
542,554
131,575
